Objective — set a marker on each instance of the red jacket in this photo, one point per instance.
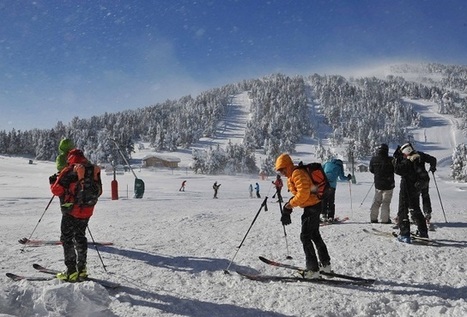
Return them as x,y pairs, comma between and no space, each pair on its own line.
65,188
278,183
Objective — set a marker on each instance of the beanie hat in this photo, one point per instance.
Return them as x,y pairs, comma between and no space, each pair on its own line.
65,146
407,149
383,149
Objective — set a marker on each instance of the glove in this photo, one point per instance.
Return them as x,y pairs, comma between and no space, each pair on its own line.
53,179
432,169
349,176
285,219
414,157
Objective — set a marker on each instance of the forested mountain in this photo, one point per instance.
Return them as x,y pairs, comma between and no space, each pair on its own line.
362,112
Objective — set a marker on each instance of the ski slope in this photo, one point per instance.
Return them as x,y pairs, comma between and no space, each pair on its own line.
171,248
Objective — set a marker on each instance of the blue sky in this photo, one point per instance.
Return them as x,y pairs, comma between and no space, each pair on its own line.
61,59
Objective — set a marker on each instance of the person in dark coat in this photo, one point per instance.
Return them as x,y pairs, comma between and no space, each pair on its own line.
182,188
215,186
425,189
408,164
383,169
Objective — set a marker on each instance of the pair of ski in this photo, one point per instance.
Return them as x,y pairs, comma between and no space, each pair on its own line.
336,221
37,243
430,226
415,239
333,278
53,275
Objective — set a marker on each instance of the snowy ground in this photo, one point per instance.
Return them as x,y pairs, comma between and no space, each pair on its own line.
171,248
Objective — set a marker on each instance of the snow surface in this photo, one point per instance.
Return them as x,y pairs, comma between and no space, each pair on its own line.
171,248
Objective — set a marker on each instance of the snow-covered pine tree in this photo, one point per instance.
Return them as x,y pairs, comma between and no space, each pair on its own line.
459,163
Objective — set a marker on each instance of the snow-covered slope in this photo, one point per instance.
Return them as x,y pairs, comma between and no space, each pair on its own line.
171,248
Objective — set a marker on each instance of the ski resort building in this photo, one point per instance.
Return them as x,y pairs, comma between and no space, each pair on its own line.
155,160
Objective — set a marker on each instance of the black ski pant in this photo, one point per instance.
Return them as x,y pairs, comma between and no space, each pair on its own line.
311,238
409,202
75,243
329,206
426,201
279,195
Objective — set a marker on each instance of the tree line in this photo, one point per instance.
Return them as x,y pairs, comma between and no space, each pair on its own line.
362,113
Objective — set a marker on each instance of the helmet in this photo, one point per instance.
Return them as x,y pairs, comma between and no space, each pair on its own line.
407,148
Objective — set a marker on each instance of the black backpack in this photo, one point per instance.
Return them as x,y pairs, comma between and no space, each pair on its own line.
88,190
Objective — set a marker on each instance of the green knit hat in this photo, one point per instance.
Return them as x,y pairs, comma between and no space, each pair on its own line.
65,146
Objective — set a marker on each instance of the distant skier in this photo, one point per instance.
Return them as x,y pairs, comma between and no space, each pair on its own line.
278,184
257,191
250,188
182,188
216,188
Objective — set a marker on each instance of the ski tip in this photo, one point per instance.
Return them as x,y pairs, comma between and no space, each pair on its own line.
23,240
288,257
14,277
226,272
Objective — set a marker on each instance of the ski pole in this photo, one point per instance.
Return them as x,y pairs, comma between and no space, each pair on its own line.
97,250
367,194
285,232
439,196
350,193
263,204
37,224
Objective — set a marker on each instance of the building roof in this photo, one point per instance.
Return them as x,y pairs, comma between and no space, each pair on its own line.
166,158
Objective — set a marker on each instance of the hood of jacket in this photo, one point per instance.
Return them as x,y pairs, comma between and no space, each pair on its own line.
284,161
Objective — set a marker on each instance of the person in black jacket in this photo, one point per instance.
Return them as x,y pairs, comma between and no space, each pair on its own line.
425,188
409,165
215,186
383,169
